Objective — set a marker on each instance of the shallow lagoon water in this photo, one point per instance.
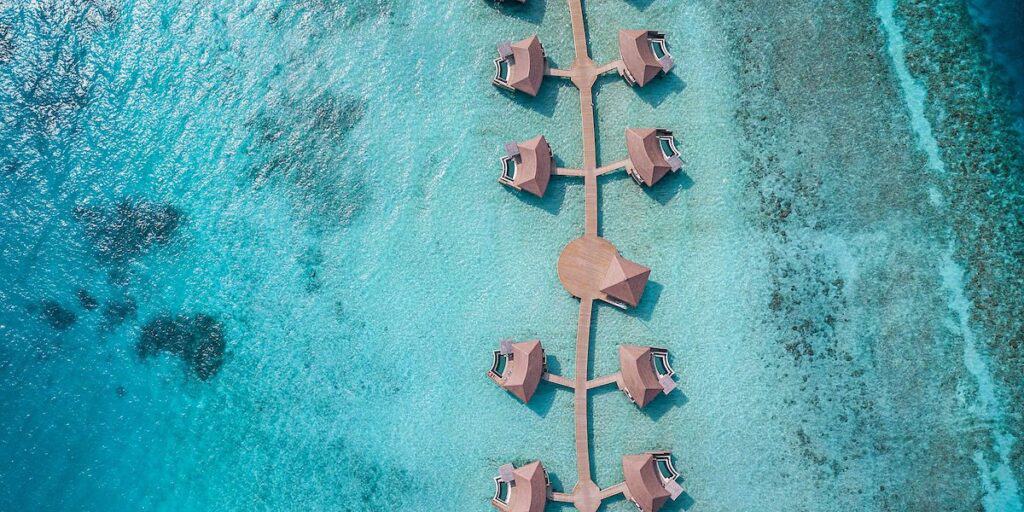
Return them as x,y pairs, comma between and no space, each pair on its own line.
313,182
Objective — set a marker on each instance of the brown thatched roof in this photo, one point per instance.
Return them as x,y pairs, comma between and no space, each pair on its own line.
526,71
638,375
625,280
637,55
643,482
530,490
533,170
645,154
524,369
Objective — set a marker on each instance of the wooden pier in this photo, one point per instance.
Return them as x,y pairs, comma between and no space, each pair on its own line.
582,266
583,262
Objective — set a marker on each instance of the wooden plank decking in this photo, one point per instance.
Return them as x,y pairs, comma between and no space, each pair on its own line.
559,380
604,381
582,265
584,261
582,369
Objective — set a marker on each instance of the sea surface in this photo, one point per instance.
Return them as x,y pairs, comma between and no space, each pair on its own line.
253,254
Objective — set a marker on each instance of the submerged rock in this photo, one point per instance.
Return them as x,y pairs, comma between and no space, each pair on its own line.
197,340
128,229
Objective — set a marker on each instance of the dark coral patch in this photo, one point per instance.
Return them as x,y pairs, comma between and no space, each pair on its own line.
367,10
300,145
380,484
117,312
129,229
10,167
349,12
6,42
86,299
56,315
311,260
197,340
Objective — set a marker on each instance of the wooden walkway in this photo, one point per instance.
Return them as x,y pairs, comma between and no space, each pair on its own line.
583,74
583,264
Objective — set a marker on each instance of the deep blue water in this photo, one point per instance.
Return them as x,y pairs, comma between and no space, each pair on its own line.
1003,24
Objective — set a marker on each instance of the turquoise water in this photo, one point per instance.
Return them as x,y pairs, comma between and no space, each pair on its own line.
255,256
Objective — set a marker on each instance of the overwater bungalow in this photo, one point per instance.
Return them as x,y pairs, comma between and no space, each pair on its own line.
644,54
523,489
518,367
652,154
527,165
645,373
650,480
624,282
520,66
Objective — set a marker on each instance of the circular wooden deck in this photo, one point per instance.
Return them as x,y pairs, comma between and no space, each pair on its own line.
583,264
